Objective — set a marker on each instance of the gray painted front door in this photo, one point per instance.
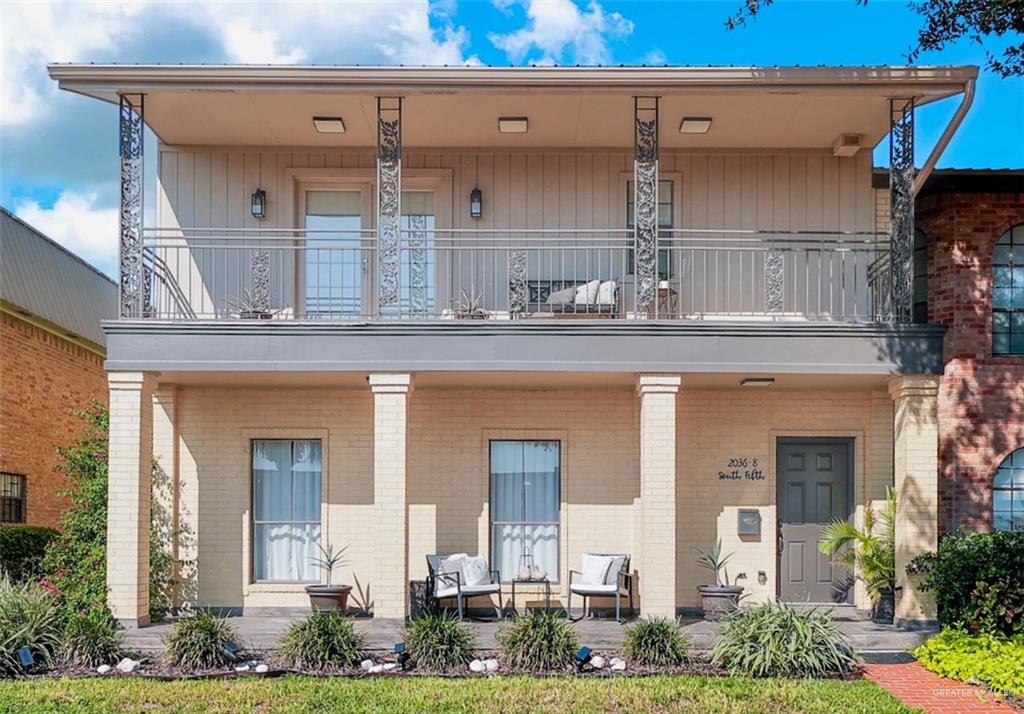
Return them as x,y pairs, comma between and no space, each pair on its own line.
814,489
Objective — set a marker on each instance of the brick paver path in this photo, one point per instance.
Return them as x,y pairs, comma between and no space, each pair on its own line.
918,687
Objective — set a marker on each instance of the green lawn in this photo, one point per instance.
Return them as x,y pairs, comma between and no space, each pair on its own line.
504,694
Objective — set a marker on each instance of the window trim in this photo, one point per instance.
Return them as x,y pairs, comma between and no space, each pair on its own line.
556,576
253,582
1010,488
22,501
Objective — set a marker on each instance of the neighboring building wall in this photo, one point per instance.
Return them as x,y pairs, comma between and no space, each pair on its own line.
43,378
448,492
981,397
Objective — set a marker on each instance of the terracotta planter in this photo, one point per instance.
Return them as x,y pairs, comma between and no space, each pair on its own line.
328,597
883,611
719,600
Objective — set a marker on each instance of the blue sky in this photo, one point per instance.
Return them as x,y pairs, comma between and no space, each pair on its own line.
58,153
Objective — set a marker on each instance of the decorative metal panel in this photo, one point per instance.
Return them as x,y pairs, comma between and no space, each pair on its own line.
517,287
645,197
901,207
774,280
131,118
260,277
389,204
418,265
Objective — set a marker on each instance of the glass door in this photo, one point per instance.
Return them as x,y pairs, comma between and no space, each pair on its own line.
336,270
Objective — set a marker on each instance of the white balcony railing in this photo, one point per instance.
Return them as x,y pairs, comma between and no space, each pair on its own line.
502,274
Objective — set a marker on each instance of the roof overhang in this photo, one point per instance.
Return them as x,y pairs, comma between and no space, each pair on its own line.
752,107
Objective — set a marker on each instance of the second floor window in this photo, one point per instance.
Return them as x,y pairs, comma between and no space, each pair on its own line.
666,220
12,498
1008,293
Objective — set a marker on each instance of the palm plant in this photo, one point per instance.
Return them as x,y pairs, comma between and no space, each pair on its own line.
871,551
330,559
714,560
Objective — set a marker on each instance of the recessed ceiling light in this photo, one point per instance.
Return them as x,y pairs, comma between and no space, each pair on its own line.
329,125
695,125
513,125
757,382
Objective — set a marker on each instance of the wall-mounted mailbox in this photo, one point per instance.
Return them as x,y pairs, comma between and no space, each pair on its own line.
749,522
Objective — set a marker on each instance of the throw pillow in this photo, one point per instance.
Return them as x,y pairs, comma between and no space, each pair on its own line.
474,570
595,569
606,293
586,294
562,297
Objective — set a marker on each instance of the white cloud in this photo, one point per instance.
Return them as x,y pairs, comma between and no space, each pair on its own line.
559,29
655,57
78,224
244,44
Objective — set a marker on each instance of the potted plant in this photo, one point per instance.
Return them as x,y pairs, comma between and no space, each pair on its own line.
249,307
328,596
469,306
871,553
721,598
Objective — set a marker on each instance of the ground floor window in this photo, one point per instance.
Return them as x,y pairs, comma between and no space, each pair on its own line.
12,498
1008,494
525,498
286,509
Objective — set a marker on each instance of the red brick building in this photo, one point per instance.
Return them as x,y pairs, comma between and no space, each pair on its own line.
973,225
51,363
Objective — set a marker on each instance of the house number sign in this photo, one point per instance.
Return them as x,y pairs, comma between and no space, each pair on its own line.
742,468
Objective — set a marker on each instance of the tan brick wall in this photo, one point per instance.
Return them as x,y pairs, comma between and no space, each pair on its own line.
715,426
447,481
43,378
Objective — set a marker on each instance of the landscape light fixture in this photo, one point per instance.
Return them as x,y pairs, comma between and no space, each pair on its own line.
513,125
259,203
231,650
583,657
329,125
401,656
695,125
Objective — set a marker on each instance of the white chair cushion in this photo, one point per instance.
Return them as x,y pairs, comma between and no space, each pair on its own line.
451,564
474,570
595,569
612,578
586,294
485,589
602,589
562,297
606,293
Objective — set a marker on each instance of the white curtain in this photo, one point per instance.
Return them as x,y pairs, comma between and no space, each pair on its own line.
525,484
286,509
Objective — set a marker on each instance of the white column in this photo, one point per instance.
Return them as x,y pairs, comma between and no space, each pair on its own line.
657,575
390,434
130,460
916,466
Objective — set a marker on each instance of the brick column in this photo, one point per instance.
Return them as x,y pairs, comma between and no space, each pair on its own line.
657,574
390,427
130,460
916,466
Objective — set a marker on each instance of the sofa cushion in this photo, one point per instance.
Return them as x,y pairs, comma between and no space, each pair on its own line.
562,297
586,294
601,589
606,293
469,590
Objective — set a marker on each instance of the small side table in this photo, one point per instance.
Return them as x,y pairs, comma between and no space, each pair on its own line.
546,582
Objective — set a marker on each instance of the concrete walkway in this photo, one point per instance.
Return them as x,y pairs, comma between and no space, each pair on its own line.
263,632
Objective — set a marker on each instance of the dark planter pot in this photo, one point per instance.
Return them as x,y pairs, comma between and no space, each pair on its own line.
328,597
719,600
254,315
883,611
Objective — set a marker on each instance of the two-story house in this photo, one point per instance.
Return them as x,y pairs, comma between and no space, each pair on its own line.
512,311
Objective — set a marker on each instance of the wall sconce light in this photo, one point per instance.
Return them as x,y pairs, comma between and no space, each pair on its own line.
695,125
476,203
259,203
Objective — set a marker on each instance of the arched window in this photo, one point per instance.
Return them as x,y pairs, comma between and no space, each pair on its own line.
1008,494
1008,293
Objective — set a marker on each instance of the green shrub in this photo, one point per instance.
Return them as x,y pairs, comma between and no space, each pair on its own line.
777,640
324,639
977,580
439,642
198,641
656,642
91,638
76,561
22,549
30,616
994,660
538,642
